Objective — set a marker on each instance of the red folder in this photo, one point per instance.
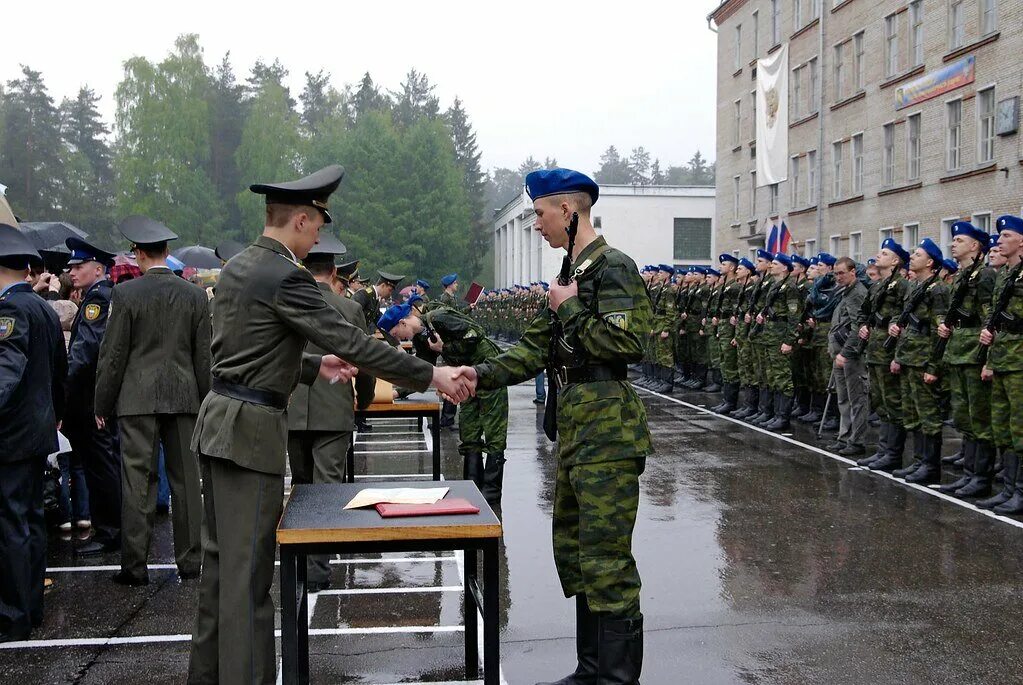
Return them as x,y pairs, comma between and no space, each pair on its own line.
452,505
474,293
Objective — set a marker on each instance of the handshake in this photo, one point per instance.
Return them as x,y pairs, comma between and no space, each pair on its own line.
454,383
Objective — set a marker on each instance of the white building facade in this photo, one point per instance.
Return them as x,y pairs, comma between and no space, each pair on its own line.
651,224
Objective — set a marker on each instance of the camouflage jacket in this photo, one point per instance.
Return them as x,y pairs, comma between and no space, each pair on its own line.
890,293
973,286
1006,352
782,317
916,343
602,421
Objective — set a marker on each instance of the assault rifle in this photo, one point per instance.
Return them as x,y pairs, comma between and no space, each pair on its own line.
955,313
768,310
550,413
998,316
907,311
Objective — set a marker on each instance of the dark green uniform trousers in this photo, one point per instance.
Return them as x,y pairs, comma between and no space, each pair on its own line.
318,457
595,509
886,394
1006,409
484,423
971,402
920,402
140,453
233,639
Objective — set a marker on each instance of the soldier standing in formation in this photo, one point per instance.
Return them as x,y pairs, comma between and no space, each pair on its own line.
153,371
32,368
726,321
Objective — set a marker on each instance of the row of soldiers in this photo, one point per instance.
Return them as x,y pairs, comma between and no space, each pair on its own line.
505,312
780,334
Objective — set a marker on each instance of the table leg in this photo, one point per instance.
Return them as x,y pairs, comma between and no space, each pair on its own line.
302,622
471,610
435,432
491,616
289,618
350,461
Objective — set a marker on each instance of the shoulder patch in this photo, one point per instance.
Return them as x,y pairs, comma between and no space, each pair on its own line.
92,312
618,319
6,327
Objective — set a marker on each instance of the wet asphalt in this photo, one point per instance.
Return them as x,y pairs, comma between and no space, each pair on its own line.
763,561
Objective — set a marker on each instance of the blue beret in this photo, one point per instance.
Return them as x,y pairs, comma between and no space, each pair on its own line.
667,268
423,284
728,257
871,262
1009,222
746,263
799,259
950,265
814,261
994,241
932,250
764,254
826,258
784,259
449,279
970,231
892,245
545,284
557,181
413,298
392,315
711,271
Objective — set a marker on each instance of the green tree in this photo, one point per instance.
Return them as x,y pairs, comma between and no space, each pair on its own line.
415,100
368,98
86,197
31,162
656,175
227,116
613,168
163,147
321,102
474,183
639,166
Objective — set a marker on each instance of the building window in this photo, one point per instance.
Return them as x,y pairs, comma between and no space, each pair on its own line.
810,247
737,123
797,14
756,35
596,222
815,9
840,71
986,126
692,238
982,220
856,246
774,199
738,46
956,24
891,45
753,194
775,22
815,84
835,247
913,147
811,178
916,33
836,170
753,115
859,62
884,234
794,184
888,169
988,16
953,134
735,198
945,239
910,236
857,160
796,96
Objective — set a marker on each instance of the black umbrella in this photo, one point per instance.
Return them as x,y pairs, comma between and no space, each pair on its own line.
46,234
198,256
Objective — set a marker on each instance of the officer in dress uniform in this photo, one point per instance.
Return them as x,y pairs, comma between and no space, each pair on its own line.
268,306
32,368
96,445
321,416
589,333
153,371
372,297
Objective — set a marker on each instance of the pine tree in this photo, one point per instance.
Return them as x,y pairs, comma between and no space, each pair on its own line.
415,100
656,176
467,156
639,166
320,102
86,197
613,168
368,98
227,116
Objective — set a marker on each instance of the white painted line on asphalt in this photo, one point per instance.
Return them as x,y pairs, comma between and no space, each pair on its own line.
165,567
415,441
424,476
850,462
372,433
392,590
393,451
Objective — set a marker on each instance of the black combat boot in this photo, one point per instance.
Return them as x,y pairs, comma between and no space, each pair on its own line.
493,478
699,376
969,452
620,651
587,632
765,407
896,446
679,376
668,380
715,382
930,471
816,408
730,392
744,408
951,459
801,405
983,471
1010,464
883,431
782,411
472,468
1014,505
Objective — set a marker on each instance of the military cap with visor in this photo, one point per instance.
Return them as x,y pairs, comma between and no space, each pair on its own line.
326,249
311,191
141,230
393,279
82,251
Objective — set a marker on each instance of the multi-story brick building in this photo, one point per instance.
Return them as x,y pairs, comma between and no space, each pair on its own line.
903,118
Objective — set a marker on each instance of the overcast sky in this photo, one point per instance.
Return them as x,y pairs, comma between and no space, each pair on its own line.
564,79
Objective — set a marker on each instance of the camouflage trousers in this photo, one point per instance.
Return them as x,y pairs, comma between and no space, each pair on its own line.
595,509
760,359
779,369
885,394
697,346
820,364
662,350
747,362
971,402
729,356
1007,410
921,402
802,366
483,422
713,347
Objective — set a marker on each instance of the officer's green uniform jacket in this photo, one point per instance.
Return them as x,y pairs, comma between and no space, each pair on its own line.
370,304
154,362
916,342
890,292
602,421
267,307
963,346
322,406
1006,354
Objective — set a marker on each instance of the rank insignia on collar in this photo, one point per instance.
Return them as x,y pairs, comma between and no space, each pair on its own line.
6,327
92,312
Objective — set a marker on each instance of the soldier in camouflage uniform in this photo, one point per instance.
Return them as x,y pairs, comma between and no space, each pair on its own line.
969,305
746,275
883,304
592,329
661,331
710,330
765,403
802,355
779,318
726,319
1004,365
696,337
917,365
683,354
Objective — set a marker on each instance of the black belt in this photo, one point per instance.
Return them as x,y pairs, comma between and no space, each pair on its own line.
268,398
590,374
1014,326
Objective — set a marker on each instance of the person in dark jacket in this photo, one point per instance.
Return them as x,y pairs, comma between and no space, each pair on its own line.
32,367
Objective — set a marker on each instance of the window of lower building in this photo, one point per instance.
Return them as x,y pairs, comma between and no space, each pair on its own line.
692,238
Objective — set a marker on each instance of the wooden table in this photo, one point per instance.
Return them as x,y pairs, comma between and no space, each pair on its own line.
314,522
400,409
